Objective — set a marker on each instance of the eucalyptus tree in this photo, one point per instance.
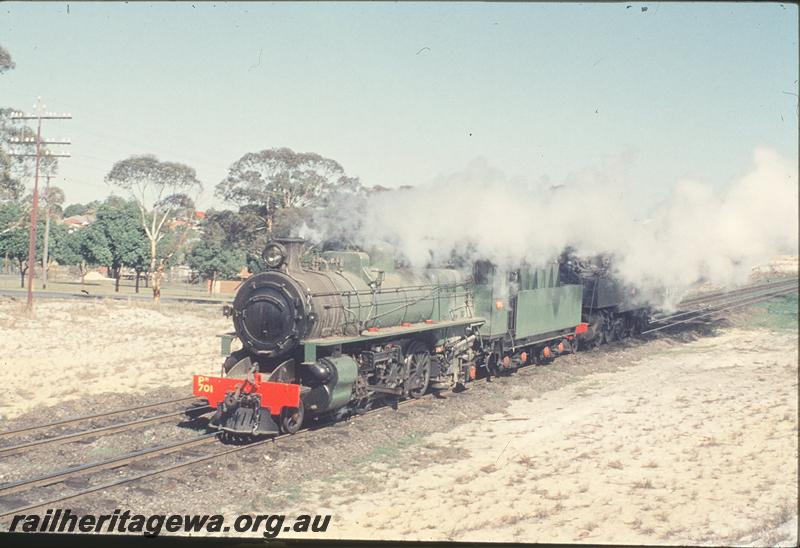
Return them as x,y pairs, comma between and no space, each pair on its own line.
282,180
155,186
6,63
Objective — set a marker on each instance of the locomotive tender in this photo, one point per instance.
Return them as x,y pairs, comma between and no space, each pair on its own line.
334,335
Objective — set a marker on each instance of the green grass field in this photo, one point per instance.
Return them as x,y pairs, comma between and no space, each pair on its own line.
778,313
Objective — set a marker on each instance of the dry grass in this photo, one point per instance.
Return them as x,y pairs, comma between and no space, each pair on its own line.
543,513
527,460
591,526
510,519
709,441
643,484
463,478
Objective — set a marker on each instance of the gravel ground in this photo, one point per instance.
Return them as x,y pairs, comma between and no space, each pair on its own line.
55,457
333,465
349,442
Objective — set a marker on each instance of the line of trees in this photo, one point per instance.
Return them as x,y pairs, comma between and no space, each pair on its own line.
111,241
149,227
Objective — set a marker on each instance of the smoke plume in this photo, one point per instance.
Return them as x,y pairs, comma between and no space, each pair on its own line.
698,233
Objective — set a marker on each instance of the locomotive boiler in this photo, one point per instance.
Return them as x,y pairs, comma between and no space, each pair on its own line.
335,333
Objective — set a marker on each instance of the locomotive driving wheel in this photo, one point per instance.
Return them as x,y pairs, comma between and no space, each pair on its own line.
291,419
419,369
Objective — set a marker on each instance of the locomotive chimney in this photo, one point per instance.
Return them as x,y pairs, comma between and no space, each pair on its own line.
294,248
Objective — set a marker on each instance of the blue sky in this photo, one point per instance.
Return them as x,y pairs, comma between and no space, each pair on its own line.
399,93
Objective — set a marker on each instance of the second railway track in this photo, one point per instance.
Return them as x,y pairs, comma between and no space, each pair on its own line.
99,430
154,452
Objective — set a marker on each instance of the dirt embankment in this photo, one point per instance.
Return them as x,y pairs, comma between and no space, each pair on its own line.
689,443
696,443
71,349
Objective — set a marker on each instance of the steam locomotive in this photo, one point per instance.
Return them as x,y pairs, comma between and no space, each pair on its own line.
612,309
346,329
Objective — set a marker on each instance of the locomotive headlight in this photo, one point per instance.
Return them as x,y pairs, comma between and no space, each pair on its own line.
273,255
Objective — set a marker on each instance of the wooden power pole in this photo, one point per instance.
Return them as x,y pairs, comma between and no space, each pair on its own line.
39,115
46,247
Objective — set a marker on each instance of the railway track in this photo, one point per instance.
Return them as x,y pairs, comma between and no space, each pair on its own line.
154,452
100,430
722,308
116,462
706,307
710,296
718,301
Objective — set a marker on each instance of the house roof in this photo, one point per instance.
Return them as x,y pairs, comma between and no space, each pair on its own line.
76,220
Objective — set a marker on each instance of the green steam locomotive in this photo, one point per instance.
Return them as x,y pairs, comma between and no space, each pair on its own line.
337,333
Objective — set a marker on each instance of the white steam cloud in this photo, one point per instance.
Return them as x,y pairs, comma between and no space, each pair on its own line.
698,233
